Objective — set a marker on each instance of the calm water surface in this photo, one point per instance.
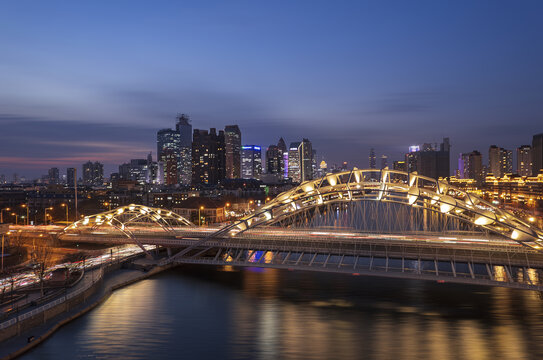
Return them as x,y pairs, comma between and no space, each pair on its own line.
207,313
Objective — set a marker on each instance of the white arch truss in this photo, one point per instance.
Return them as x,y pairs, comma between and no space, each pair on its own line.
123,217
393,186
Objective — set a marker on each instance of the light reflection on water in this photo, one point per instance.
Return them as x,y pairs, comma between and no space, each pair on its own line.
199,312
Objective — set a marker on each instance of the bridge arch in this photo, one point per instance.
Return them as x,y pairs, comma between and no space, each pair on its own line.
392,186
126,218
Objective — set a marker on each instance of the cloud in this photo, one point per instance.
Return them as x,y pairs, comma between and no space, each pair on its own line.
32,145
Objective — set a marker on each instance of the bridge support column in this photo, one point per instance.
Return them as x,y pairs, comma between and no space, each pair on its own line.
489,272
169,252
471,270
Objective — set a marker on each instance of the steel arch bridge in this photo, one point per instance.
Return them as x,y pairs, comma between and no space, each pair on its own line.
387,187
506,254
126,218
486,246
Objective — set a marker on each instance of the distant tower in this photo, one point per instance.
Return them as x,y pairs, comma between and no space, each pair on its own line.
294,162
524,160
232,138
471,166
168,152
251,162
71,177
93,173
384,161
208,157
283,148
306,160
274,160
500,161
54,176
372,159
184,165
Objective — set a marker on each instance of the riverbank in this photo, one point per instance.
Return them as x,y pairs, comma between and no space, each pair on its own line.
117,279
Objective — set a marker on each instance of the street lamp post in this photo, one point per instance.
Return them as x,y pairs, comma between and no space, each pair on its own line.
16,218
200,216
26,207
2,214
66,206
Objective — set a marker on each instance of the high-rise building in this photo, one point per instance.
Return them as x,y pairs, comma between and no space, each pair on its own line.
232,139
372,159
384,162
470,166
139,171
184,165
494,160
283,148
399,165
93,173
537,154
524,160
168,152
208,157
274,161
54,176
251,162
430,161
124,171
306,160
294,172
71,177
500,161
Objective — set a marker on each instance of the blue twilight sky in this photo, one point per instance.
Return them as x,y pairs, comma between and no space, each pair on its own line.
95,80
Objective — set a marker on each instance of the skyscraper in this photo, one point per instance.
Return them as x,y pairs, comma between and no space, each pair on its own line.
93,173
524,160
71,177
500,161
470,166
283,148
168,152
430,161
208,157
251,162
124,171
314,166
494,160
399,165
384,161
274,161
139,171
537,154
184,166
306,160
54,176
372,159
232,139
294,171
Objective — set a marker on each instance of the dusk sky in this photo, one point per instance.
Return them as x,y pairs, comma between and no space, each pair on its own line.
95,81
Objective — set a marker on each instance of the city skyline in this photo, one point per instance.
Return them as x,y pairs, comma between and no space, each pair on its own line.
92,94
111,167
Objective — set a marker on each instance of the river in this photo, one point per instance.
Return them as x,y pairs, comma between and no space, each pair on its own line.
199,312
